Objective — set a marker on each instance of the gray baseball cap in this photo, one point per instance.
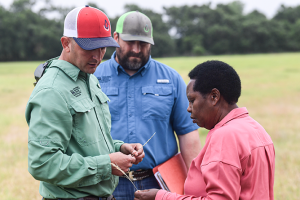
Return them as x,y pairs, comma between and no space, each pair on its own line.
133,26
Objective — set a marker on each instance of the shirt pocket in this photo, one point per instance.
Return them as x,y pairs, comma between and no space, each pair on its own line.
113,95
157,102
85,126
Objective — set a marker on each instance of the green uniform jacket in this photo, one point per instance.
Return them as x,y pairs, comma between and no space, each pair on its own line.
69,134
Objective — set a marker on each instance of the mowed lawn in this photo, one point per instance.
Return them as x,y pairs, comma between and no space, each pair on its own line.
270,91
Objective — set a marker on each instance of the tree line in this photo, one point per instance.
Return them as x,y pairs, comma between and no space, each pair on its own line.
178,31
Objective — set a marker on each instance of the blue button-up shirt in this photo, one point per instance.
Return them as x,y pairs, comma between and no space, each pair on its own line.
152,100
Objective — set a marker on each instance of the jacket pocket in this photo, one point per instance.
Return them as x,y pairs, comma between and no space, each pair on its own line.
85,127
113,95
157,102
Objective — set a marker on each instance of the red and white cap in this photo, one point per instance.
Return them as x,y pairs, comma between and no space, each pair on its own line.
89,27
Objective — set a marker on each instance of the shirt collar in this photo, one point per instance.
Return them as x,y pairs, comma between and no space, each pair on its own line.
71,70
117,66
235,113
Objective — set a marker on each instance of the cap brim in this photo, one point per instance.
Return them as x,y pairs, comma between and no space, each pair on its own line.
128,37
95,43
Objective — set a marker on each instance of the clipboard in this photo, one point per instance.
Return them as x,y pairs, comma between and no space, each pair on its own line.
171,174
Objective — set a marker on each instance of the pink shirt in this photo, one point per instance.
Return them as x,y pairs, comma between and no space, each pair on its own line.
237,162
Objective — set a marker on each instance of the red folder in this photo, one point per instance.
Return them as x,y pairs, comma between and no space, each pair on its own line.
172,173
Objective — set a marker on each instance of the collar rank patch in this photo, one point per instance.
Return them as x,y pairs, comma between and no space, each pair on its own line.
76,91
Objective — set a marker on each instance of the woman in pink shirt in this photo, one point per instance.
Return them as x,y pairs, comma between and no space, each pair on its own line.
238,159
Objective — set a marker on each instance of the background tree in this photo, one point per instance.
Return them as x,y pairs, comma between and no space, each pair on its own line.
26,35
178,31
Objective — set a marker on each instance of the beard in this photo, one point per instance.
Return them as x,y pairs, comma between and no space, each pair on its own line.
133,64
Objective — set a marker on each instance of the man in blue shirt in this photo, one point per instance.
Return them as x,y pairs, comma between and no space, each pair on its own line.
145,97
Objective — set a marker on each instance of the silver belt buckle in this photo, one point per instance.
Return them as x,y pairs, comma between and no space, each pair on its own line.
130,175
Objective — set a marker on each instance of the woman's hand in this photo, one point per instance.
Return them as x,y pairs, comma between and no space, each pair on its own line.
145,194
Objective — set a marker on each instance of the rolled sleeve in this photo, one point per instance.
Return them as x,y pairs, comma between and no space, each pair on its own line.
164,195
117,145
160,194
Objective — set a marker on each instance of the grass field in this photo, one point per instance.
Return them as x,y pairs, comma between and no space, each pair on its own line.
270,91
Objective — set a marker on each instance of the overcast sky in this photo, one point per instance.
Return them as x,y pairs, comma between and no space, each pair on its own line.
116,7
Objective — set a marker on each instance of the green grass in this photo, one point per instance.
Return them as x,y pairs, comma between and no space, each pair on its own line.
270,91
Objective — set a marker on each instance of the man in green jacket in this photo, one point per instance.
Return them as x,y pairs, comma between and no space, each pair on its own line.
70,149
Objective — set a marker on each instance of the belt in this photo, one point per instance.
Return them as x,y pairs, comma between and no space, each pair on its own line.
138,174
111,197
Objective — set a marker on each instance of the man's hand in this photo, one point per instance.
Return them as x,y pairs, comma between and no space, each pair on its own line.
124,162
145,194
135,149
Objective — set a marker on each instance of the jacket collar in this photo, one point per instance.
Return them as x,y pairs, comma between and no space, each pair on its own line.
69,69
235,113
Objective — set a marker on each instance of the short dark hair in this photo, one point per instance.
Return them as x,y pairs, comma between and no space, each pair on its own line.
217,74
